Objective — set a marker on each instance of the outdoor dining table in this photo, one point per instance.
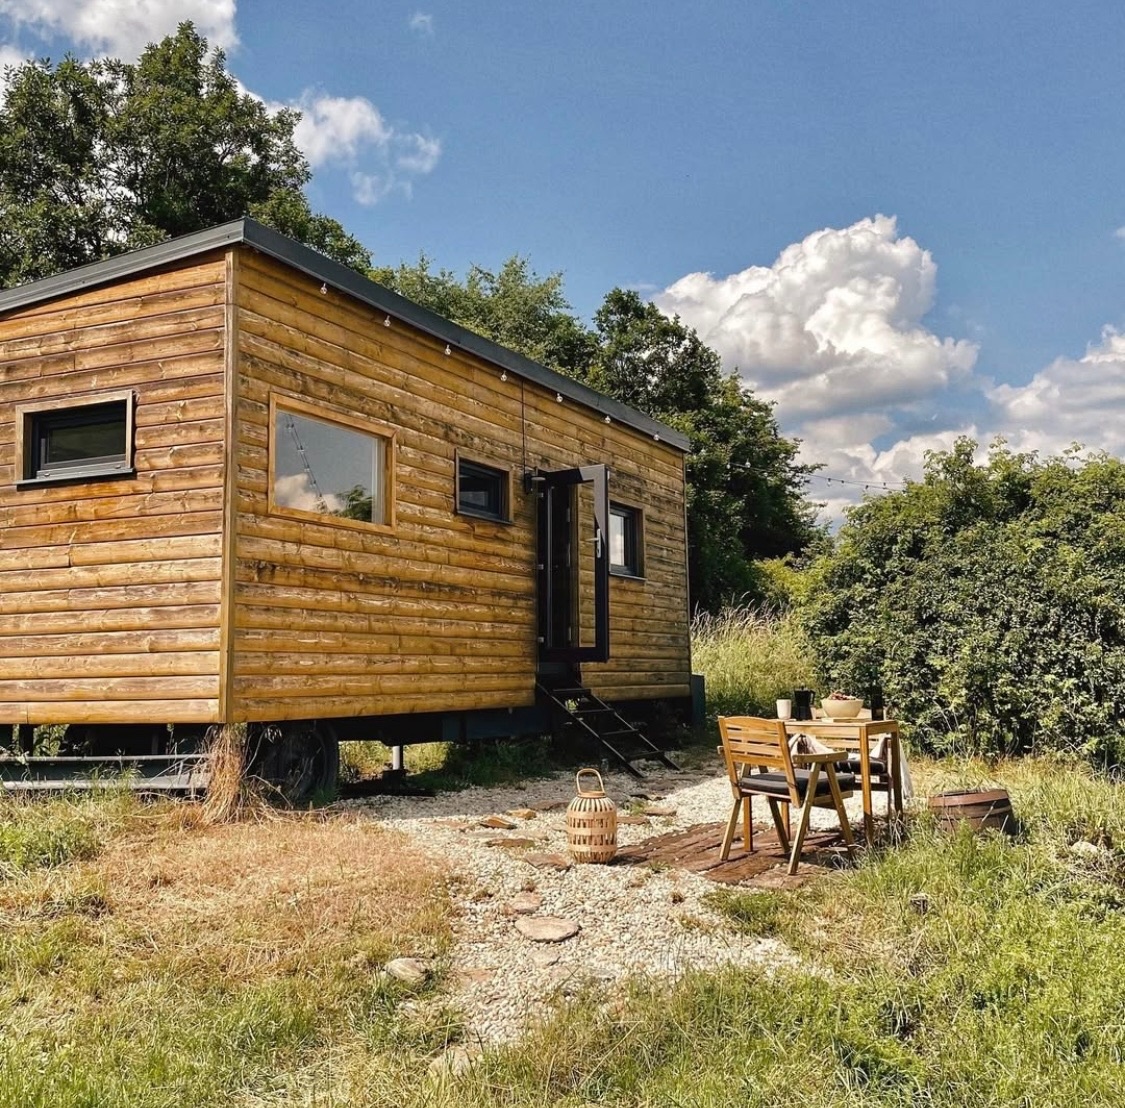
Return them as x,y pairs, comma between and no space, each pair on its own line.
859,735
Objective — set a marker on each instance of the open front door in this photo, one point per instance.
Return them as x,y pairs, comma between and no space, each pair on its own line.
574,564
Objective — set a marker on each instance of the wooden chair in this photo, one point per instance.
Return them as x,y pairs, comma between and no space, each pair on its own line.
759,763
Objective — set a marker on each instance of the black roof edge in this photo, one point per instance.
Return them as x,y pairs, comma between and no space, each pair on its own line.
324,269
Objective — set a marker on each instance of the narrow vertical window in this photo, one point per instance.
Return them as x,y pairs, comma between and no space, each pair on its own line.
625,538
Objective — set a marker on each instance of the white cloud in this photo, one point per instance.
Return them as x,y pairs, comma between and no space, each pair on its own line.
123,27
350,132
9,55
295,491
1072,400
422,24
1119,234
835,324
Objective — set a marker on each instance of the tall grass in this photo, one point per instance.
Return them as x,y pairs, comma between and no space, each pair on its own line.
749,659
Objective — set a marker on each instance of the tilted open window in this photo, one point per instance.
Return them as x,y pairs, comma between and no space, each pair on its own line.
483,491
76,440
626,541
324,463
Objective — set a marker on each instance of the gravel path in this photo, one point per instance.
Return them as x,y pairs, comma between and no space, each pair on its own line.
632,919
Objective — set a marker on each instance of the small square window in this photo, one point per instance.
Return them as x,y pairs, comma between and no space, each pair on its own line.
482,491
625,534
77,441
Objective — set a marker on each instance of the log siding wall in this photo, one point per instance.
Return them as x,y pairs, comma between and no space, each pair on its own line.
110,589
437,613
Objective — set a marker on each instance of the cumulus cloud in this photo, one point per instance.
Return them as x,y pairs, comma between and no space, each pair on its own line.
123,27
835,324
294,490
1072,400
422,24
350,132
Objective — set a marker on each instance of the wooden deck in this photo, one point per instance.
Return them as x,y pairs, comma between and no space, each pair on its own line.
697,851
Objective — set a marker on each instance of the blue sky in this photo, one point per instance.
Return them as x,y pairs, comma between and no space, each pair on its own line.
911,215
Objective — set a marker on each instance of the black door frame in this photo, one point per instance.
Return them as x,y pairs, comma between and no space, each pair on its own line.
559,542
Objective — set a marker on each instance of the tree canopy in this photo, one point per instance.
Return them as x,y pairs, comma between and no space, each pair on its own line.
745,488
101,157
988,600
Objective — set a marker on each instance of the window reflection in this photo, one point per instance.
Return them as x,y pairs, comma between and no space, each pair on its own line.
328,468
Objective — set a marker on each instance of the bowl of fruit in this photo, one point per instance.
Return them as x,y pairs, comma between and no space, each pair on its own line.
839,705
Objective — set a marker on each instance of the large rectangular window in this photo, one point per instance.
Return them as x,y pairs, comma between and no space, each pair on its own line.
327,464
625,541
482,490
76,440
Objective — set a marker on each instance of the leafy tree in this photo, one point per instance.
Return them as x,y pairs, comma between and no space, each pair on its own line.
102,157
987,600
514,307
745,488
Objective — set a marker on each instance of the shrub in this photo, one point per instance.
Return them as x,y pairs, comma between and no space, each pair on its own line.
988,600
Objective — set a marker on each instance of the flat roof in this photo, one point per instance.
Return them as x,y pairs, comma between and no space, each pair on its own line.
249,232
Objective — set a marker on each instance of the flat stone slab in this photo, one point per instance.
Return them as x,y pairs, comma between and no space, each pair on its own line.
548,861
498,823
512,842
547,929
523,813
550,805
639,821
525,904
660,810
410,971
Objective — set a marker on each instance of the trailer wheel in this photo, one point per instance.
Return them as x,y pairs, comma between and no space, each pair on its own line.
300,758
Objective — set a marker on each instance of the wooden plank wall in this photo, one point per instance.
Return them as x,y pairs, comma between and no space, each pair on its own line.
438,614
110,590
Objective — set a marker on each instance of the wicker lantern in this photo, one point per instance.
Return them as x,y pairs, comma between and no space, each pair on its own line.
591,822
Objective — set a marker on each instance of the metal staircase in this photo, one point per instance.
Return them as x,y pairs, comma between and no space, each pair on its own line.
597,720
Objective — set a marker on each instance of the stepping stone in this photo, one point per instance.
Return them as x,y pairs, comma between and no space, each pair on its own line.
647,796
550,805
544,958
511,843
476,976
410,971
456,824
546,929
523,813
640,821
548,861
525,904
660,810
497,823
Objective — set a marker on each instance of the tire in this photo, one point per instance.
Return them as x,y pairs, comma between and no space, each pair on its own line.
298,758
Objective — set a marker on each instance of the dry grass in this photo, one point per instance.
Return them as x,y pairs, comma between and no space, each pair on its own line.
209,964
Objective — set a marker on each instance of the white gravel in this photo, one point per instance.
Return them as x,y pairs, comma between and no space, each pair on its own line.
633,919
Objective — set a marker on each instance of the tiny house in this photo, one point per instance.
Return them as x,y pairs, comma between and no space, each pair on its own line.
242,483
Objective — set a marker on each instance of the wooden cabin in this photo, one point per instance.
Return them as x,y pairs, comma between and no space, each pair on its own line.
241,482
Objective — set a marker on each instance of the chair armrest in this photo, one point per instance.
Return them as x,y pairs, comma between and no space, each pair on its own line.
829,758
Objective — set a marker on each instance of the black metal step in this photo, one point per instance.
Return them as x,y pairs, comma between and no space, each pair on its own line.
637,745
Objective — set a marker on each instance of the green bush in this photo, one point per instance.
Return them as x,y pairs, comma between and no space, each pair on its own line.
988,600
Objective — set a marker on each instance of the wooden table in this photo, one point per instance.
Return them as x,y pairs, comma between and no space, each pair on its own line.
859,734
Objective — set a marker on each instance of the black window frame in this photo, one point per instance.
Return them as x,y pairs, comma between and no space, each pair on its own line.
634,564
503,478
35,422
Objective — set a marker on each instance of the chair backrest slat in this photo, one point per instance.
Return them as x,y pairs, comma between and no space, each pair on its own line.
757,742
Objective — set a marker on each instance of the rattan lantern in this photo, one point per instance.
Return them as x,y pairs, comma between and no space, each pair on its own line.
591,822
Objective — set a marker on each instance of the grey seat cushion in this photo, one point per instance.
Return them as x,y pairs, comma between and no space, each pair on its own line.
878,767
774,784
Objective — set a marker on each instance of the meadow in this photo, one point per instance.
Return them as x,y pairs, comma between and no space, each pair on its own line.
149,957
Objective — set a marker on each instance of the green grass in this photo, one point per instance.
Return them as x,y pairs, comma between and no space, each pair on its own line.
749,659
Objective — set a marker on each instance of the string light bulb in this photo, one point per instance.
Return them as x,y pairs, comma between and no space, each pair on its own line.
558,397
387,321
448,351
608,420
504,375
324,289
